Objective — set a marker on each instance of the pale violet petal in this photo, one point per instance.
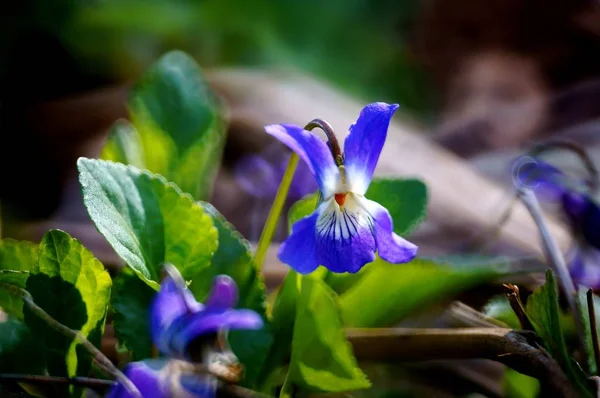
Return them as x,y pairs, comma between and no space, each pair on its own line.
390,247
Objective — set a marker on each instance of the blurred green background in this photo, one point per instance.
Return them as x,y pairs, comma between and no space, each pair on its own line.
360,46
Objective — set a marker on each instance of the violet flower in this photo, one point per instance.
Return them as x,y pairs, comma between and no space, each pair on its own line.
579,208
178,320
346,229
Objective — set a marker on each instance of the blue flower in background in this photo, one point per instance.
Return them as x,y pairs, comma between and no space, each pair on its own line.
177,320
260,174
582,212
346,229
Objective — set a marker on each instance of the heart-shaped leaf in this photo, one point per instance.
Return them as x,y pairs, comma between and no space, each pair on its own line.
147,220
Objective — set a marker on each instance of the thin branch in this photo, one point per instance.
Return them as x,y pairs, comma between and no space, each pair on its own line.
554,258
101,360
509,347
514,299
96,384
593,327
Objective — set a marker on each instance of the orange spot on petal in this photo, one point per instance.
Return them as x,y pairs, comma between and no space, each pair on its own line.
340,198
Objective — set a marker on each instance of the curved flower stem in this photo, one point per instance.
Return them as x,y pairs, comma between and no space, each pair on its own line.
554,257
101,360
269,230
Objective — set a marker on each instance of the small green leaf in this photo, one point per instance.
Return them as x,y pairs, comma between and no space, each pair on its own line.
387,293
20,351
322,358
17,259
302,208
544,313
124,145
406,200
517,385
234,258
73,287
131,300
147,220
179,120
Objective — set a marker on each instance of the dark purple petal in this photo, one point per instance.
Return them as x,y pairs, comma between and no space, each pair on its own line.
364,143
584,215
390,247
256,176
223,295
312,150
345,242
591,225
145,376
299,249
170,303
189,328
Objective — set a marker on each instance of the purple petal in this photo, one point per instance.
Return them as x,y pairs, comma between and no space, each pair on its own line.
312,150
345,242
257,176
364,143
145,376
186,330
585,267
299,249
170,303
390,247
223,295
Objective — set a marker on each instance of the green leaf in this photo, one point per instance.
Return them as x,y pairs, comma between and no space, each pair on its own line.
388,293
588,343
234,258
517,385
147,220
124,145
406,200
73,287
131,300
179,120
20,351
543,311
322,358
17,258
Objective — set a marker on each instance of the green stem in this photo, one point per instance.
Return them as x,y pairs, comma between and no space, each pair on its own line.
286,389
269,230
